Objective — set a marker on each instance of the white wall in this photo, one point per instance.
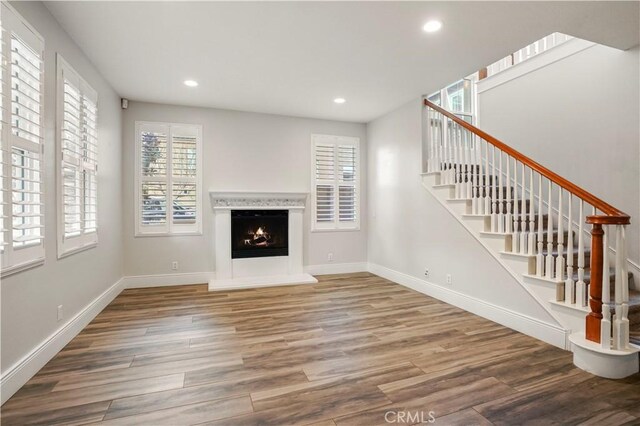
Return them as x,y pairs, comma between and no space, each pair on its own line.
409,230
580,117
30,298
242,151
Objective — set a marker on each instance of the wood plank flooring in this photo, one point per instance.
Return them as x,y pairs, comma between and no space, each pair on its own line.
349,350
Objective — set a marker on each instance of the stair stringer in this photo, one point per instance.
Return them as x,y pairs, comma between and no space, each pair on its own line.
570,319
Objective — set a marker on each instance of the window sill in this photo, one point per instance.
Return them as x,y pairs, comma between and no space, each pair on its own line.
77,250
167,234
22,267
320,230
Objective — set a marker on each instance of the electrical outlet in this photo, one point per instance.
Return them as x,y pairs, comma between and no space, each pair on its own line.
448,278
426,272
330,257
174,266
60,313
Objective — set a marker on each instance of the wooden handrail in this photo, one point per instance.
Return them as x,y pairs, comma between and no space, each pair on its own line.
612,216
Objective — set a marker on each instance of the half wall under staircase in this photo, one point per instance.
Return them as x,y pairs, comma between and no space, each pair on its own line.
562,244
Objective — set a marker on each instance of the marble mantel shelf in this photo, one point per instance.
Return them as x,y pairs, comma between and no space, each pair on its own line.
256,199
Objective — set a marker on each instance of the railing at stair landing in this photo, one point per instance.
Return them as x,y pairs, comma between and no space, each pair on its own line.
515,191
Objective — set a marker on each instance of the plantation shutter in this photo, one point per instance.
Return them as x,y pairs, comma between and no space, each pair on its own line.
347,195
325,163
154,179
22,144
78,149
335,182
184,192
168,189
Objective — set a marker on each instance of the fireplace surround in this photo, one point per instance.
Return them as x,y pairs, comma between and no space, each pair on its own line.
258,239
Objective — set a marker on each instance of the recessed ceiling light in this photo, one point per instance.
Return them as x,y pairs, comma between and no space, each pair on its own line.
432,26
191,83
339,100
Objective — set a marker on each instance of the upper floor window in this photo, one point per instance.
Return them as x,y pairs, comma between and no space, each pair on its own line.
77,155
336,182
21,153
169,176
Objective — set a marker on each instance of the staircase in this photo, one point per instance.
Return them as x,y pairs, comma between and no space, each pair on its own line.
565,246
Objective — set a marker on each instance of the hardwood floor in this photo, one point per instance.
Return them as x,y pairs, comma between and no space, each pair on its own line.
349,350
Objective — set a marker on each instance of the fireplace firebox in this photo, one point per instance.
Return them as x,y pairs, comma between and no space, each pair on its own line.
259,233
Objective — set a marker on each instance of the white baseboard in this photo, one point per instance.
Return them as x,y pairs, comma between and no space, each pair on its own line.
336,268
541,330
19,373
163,280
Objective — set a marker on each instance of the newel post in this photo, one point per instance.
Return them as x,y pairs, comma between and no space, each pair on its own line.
594,317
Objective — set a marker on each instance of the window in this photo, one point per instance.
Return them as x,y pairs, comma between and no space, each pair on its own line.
21,81
336,183
459,98
77,161
168,187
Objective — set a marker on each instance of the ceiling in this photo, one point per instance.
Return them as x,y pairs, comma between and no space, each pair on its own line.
294,58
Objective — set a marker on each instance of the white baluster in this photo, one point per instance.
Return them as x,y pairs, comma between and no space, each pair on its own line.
454,156
494,193
487,199
625,292
620,319
441,149
500,195
461,160
442,138
549,258
605,323
581,287
473,177
430,140
446,131
469,139
467,165
569,284
531,241
522,220
456,159
508,220
473,156
560,262
515,234
478,176
451,141
540,256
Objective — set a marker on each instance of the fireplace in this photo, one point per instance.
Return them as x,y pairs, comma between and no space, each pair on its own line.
258,239
259,233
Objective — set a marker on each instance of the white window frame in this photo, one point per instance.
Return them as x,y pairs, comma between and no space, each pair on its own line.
168,228
336,224
85,239
17,259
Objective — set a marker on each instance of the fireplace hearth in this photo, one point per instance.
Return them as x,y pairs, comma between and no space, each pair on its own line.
259,233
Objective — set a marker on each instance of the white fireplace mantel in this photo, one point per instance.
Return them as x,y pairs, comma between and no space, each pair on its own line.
257,200
261,271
